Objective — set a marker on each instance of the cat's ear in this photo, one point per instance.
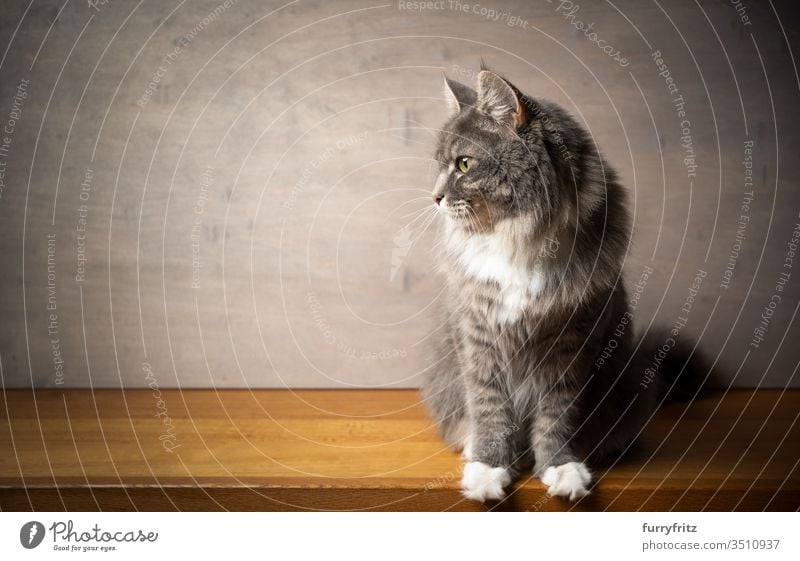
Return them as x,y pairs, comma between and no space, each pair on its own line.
458,96
500,100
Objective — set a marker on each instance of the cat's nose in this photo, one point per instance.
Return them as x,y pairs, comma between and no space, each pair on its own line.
438,199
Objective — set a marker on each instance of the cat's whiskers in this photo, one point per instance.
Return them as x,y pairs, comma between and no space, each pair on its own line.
421,216
412,200
424,229
418,213
427,225
474,219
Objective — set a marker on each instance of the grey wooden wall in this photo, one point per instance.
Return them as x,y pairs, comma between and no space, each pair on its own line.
228,194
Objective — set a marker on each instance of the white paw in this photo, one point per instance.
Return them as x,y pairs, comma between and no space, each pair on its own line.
482,482
567,480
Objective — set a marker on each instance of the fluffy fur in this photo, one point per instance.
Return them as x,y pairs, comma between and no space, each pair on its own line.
534,236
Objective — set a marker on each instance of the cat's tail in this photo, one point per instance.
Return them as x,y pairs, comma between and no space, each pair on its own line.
677,367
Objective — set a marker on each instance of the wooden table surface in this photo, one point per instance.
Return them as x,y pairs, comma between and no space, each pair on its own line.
360,450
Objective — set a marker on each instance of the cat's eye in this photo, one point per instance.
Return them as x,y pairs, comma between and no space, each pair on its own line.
464,163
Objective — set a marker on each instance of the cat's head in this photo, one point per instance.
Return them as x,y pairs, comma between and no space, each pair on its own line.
493,164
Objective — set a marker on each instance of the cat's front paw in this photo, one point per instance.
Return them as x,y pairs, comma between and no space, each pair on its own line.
482,482
567,480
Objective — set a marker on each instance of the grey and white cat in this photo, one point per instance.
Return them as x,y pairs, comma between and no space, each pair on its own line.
535,231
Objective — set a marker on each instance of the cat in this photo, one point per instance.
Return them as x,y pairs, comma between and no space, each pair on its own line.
535,229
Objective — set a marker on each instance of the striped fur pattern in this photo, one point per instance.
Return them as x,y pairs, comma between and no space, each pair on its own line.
534,235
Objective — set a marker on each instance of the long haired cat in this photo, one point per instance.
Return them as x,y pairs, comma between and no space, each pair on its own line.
535,231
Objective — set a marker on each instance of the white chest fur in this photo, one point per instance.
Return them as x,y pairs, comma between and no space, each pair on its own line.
490,258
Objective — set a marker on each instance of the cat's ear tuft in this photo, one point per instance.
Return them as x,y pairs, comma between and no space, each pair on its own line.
458,96
500,100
